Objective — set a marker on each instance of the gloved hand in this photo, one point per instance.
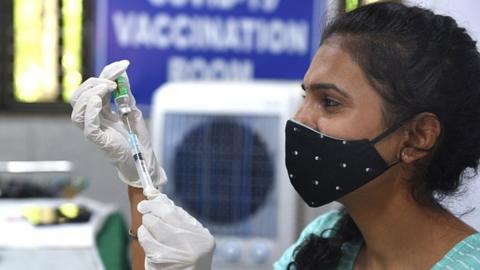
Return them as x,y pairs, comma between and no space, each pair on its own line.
171,238
93,114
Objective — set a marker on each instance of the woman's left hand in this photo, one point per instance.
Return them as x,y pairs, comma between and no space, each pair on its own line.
171,238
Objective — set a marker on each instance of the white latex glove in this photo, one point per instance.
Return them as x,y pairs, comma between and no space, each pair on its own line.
171,238
93,114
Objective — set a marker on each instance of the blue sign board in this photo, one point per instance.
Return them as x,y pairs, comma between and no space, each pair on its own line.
183,40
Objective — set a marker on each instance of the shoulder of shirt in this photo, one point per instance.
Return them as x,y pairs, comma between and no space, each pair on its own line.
321,223
469,252
465,255
317,226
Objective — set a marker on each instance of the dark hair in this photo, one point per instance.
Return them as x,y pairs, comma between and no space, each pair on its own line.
418,62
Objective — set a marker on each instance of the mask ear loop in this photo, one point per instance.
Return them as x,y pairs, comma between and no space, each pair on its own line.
393,128
399,159
389,131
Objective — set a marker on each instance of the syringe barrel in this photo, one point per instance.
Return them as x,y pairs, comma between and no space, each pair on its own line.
144,175
141,166
149,189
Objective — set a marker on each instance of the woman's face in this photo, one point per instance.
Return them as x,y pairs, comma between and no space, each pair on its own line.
339,100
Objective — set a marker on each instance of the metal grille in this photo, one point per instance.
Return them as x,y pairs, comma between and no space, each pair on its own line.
222,170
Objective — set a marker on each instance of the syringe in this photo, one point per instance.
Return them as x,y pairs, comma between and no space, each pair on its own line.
121,99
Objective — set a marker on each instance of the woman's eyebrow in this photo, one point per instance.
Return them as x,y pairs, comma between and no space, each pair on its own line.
324,86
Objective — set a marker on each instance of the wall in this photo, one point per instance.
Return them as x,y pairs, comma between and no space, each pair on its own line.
464,11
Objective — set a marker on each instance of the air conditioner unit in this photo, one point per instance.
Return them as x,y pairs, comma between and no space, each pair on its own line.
222,147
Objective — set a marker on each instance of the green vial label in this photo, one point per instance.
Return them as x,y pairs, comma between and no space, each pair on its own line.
121,90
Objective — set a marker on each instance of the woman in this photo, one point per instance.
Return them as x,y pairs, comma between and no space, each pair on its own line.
401,87
409,81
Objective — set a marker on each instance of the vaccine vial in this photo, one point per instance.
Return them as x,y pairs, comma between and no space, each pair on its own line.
120,96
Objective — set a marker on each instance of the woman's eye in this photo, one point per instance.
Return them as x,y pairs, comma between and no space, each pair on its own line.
303,96
330,102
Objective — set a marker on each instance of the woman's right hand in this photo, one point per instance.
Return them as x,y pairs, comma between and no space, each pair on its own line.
92,113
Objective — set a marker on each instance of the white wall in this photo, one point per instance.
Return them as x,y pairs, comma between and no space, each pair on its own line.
465,12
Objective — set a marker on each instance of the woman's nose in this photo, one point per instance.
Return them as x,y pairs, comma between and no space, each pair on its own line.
305,115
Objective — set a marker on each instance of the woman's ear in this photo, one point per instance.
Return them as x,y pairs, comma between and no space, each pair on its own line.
423,134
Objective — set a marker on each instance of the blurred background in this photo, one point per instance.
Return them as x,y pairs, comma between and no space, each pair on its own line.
216,81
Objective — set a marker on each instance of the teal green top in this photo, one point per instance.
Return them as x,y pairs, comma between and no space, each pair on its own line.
464,255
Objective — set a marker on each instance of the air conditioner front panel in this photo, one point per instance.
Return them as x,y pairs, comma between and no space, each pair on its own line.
255,236
223,170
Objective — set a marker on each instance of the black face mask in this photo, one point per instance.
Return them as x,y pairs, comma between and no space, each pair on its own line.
322,169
